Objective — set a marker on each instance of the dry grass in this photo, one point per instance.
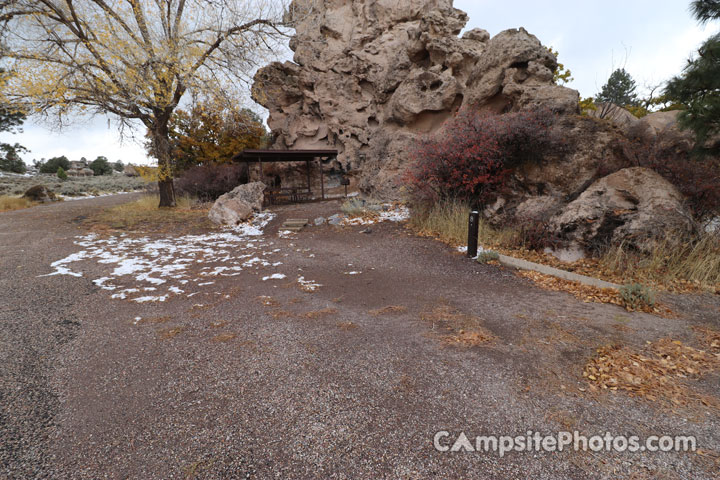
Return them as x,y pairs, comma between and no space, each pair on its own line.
694,266
223,337
389,310
268,301
468,338
347,326
168,333
145,215
320,313
660,372
448,222
8,203
459,328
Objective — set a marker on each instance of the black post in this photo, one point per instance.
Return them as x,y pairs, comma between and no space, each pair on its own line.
473,229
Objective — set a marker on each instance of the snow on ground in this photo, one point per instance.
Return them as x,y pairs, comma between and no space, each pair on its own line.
67,198
464,250
145,269
394,213
308,285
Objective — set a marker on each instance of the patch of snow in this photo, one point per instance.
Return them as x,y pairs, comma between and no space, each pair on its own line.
161,298
465,249
308,285
67,198
274,276
394,213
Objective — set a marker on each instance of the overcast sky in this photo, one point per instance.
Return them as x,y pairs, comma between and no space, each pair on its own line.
652,39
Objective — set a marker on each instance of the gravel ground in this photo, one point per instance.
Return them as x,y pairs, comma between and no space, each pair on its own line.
262,379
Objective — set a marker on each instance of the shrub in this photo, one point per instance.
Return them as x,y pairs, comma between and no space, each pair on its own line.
354,207
61,174
208,182
697,178
636,296
488,256
473,157
535,234
52,165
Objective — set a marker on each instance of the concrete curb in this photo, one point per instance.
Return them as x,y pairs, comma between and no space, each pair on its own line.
555,272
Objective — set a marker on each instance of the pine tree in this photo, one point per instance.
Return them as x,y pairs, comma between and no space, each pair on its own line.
619,90
698,87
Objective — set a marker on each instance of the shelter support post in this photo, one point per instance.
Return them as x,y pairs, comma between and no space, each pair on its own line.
322,181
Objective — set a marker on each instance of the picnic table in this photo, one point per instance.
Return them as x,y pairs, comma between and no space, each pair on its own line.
292,195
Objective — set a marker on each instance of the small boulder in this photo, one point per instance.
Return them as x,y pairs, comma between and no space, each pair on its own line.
237,206
634,206
336,219
40,193
130,171
319,221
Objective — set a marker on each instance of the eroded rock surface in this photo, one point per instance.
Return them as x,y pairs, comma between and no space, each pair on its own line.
634,205
370,76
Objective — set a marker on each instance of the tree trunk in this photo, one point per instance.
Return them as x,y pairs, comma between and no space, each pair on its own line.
161,148
167,193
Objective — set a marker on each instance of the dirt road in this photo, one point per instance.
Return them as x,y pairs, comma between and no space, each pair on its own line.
330,354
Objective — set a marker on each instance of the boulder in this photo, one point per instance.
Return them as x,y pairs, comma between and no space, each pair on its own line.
371,78
237,206
616,115
634,206
660,122
40,193
130,171
336,219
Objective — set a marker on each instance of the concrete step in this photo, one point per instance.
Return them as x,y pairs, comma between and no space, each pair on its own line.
296,221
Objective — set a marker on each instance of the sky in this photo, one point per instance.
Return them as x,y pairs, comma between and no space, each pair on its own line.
651,39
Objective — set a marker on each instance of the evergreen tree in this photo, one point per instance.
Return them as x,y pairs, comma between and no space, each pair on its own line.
10,120
101,166
51,166
619,90
698,87
10,161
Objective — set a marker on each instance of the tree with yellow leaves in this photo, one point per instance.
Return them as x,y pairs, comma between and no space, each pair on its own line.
210,133
133,59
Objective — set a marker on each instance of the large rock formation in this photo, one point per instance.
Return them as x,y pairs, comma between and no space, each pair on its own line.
370,76
634,205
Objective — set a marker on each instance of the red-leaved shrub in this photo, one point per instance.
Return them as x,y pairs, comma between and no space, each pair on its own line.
474,155
208,182
696,177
